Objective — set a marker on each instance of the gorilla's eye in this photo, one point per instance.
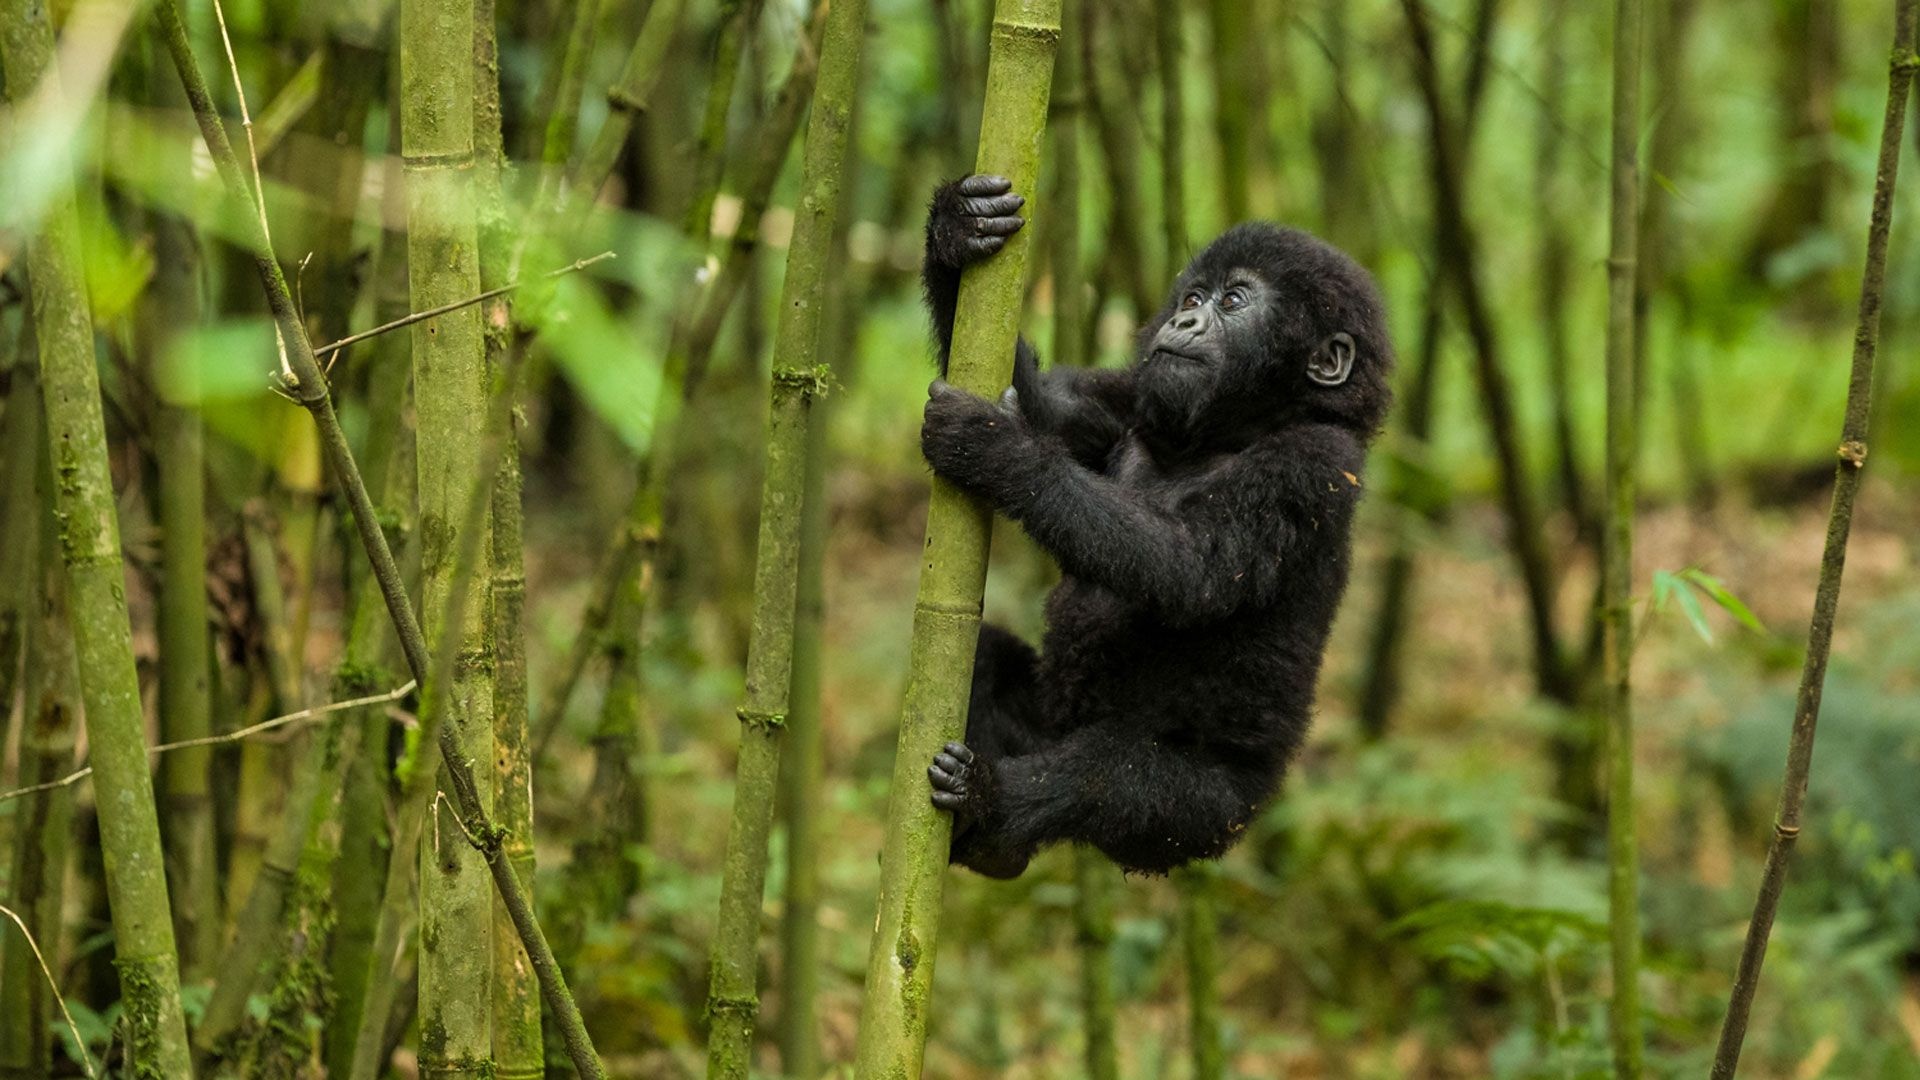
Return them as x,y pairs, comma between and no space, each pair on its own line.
1191,300
1233,300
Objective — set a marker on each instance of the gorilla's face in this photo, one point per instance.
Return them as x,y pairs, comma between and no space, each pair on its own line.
1267,326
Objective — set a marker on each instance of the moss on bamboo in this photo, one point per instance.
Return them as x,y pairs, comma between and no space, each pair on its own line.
894,1015
89,536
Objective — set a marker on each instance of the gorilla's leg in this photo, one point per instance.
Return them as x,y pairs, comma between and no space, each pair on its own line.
1149,805
1003,721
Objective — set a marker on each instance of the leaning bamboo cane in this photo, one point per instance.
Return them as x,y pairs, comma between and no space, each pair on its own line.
304,382
1826,600
893,1018
1616,548
156,1030
732,999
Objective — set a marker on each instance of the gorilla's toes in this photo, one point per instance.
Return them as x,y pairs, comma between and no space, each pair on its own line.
956,777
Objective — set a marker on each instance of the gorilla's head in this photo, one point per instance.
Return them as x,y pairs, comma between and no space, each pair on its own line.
1267,327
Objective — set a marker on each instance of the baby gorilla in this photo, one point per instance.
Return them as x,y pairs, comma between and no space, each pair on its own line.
1198,503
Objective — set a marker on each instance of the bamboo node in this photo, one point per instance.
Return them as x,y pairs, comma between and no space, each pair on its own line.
621,99
765,720
1854,453
738,1006
457,159
1906,65
1786,832
1034,32
811,382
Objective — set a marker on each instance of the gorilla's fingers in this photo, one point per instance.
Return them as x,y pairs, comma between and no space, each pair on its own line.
981,184
948,801
948,763
993,207
985,245
998,226
959,750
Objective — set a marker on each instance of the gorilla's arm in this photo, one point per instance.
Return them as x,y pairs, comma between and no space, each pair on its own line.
1212,549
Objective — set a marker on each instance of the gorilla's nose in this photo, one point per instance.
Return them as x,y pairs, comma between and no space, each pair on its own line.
1188,321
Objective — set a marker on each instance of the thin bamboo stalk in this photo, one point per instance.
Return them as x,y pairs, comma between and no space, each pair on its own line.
617,792
1199,886
144,950
518,1051
1173,162
1616,548
732,998
894,1015
1826,599
42,838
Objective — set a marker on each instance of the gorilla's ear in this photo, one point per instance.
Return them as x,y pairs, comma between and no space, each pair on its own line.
1332,362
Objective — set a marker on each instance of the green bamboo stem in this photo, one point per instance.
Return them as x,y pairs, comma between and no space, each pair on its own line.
1459,262
1173,164
19,448
258,932
1093,933
736,19
1119,142
1904,64
604,874
42,837
628,98
450,389
894,1015
1235,54
518,1051
360,876
1616,550
170,305
803,759
1068,105
307,386
1199,886
144,952
1093,889
610,624
732,998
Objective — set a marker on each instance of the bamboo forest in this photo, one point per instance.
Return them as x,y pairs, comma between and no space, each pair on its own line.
881,539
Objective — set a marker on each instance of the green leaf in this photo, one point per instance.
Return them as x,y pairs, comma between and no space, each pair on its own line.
1690,606
1723,596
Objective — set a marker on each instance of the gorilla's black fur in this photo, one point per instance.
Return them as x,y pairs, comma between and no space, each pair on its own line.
1198,503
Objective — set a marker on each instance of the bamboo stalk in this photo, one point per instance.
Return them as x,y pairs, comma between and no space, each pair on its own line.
42,837
626,99
797,379
1093,933
1120,148
617,793
1380,680
1459,263
894,1015
1092,879
170,305
1173,163
1199,886
736,19
450,388
1826,601
360,877
1616,549
518,1051
308,387
144,951
1235,46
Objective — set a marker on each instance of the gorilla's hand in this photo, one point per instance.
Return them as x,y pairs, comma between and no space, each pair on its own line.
974,443
971,219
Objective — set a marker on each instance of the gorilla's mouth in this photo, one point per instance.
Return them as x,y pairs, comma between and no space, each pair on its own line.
1162,352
